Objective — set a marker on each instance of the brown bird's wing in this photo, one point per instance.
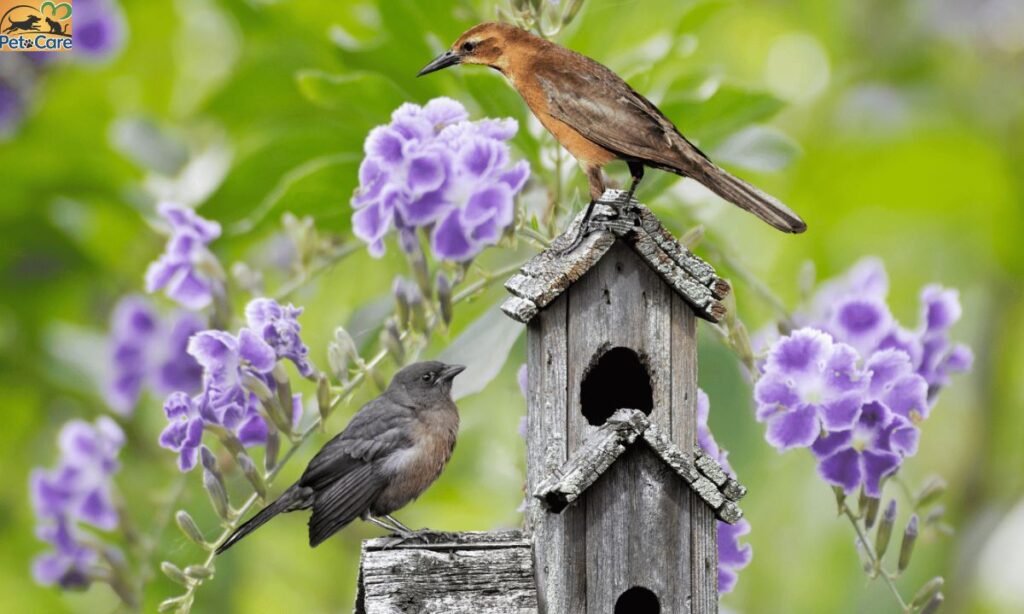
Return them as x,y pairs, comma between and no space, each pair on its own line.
598,104
602,107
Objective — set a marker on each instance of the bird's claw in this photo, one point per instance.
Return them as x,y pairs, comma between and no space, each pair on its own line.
419,536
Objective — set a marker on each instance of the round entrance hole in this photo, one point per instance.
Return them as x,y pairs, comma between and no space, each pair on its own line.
637,600
615,379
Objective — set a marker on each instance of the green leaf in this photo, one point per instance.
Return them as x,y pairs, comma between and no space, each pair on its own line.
483,347
709,120
363,94
763,149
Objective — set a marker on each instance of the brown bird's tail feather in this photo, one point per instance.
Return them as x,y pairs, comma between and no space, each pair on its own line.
749,198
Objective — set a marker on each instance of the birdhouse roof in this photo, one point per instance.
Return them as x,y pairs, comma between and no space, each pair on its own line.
545,276
604,446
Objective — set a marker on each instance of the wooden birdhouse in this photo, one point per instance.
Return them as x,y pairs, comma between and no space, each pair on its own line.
622,503
624,508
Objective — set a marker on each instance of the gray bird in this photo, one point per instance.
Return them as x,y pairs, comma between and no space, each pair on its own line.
392,450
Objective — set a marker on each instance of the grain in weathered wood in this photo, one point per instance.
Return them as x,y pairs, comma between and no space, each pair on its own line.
602,448
476,572
636,519
519,309
557,538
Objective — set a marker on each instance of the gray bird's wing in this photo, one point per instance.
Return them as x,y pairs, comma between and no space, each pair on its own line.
602,107
343,501
379,428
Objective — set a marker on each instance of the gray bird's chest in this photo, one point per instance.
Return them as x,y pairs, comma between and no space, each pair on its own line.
412,470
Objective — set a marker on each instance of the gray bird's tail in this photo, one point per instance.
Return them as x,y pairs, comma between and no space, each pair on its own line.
292,499
747,197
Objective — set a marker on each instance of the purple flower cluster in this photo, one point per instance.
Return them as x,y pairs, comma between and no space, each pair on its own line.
99,30
732,556
149,352
184,271
229,362
431,168
852,384
78,491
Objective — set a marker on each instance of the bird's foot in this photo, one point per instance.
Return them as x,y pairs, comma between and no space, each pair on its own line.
420,536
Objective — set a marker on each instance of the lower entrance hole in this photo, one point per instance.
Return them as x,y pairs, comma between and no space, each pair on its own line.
637,600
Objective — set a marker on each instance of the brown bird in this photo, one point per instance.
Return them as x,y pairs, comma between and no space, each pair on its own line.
393,449
599,118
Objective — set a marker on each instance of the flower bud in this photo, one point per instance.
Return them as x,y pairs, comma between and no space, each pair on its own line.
189,527
398,289
840,498
933,488
199,572
346,344
258,387
417,310
209,461
692,237
444,297
884,532
869,509
907,547
323,397
421,273
272,449
174,573
284,389
571,11
926,592
391,339
338,362
252,474
933,604
218,495
248,279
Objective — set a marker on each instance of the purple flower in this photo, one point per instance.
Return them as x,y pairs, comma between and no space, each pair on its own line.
183,272
184,433
870,451
78,490
12,108
280,328
432,168
809,383
149,352
940,310
99,29
732,556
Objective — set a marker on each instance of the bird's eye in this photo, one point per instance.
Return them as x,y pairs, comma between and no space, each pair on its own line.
468,47
427,377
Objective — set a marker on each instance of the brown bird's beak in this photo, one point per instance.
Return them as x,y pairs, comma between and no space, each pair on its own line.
448,373
446,59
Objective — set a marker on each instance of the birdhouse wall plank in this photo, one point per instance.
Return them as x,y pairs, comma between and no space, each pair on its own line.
558,538
619,302
703,526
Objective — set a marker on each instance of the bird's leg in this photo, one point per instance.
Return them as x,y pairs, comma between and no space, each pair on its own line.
394,521
636,170
398,529
581,231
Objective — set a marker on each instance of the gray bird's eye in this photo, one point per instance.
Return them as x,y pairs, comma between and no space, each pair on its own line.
427,377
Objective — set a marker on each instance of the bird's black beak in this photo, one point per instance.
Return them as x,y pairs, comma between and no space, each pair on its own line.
448,373
446,59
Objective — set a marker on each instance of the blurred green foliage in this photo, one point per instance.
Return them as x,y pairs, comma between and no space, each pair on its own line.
910,137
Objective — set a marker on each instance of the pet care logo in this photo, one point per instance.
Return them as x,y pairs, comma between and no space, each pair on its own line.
24,27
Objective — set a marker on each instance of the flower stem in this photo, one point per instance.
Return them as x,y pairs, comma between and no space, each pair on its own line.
315,271
876,563
485,280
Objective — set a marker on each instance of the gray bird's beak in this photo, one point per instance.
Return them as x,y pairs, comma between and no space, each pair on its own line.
446,59
449,372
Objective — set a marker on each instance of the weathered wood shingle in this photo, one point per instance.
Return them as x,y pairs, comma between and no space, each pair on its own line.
548,274
607,443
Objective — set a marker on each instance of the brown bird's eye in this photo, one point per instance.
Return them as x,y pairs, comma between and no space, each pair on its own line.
468,47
